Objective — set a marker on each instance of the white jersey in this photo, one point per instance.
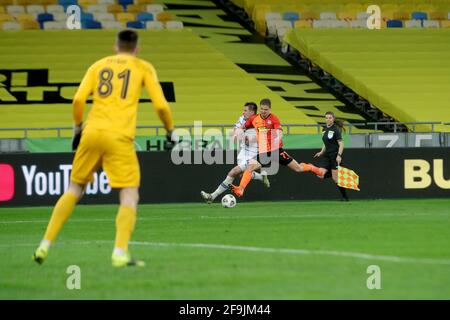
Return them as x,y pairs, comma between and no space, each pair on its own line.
247,152
252,147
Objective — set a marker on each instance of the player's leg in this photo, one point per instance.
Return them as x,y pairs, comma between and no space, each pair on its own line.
286,160
121,165
125,223
261,176
223,186
61,212
250,157
87,159
343,191
246,178
306,167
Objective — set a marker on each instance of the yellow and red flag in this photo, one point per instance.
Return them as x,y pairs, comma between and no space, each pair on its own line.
348,178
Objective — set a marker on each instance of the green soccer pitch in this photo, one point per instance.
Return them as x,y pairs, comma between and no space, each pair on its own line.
257,250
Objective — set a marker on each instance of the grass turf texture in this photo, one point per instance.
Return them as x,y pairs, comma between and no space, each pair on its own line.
172,240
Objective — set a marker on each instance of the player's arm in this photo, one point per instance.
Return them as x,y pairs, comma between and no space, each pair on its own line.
79,101
278,129
341,147
84,91
238,130
321,152
160,103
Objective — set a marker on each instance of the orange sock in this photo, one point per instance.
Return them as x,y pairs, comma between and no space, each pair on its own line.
307,167
246,178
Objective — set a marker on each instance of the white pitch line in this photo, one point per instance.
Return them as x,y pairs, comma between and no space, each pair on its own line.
358,255
304,216
333,253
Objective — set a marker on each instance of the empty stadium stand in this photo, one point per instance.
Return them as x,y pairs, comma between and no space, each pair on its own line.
405,73
399,73
345,13
95,14
199,81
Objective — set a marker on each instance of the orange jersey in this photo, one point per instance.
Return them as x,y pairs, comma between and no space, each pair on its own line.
115,83
266,132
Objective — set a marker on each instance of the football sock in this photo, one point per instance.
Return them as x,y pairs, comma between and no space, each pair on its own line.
307,167
245,180
119,251
257,176
61,212
125,221
222,187
343,192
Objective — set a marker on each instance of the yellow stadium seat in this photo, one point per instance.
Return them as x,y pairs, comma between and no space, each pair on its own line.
259,12
115,8
4,17
437,15
6,2
30,25
143,1
87,2
402,15
388,14
425,7
163,16
2,9
406,8
445,24
135,8
25,17
301,8
24,2
125,17
389,7
356,7
302,24
310,15
347,15
48,2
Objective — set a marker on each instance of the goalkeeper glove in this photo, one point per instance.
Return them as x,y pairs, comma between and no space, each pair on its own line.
76,136
171,140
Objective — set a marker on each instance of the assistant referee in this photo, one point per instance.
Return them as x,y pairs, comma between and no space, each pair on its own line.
330,157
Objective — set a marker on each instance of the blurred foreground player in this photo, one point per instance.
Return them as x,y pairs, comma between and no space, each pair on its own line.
115,82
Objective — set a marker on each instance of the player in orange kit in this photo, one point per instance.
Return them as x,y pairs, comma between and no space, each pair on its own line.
270,147
115,82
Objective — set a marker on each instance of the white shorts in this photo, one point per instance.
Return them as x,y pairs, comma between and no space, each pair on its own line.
244,157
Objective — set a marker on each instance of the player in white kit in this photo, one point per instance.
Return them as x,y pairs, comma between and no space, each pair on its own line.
248,151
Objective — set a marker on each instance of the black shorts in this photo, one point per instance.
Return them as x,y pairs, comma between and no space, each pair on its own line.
282,157
328,161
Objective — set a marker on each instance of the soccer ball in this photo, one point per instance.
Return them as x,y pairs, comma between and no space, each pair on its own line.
228,201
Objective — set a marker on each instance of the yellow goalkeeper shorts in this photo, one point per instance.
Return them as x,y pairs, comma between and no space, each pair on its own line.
113,152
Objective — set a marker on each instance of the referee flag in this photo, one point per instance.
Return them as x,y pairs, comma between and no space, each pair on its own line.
348,178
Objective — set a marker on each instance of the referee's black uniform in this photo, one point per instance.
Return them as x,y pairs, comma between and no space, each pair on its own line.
330,137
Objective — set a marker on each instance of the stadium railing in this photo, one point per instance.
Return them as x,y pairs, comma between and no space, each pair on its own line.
159,130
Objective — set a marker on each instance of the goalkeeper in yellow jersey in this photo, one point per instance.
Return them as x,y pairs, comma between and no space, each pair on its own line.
106,141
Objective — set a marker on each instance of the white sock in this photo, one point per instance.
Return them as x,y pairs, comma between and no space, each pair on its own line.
222,187
119,251
46,243
257,176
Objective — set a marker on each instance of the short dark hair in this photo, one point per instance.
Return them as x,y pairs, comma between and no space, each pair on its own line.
127,40
266,102
251,106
